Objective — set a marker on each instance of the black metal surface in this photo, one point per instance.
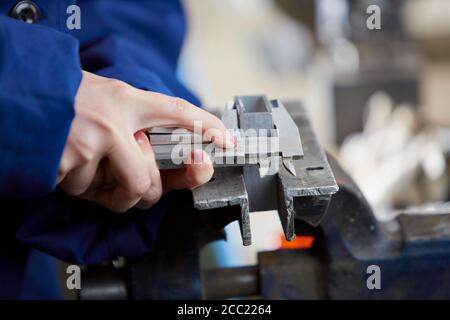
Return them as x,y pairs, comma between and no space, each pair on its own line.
414,262
291,274
221,283
103,283
354,240
172,269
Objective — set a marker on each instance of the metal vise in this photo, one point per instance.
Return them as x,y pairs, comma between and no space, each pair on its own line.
299,188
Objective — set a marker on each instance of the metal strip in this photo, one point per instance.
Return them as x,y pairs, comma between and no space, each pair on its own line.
291,145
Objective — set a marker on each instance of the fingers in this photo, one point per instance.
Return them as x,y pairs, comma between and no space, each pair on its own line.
105,162
77,168
198,172
153,194
129,167
177,112
78,181
103,179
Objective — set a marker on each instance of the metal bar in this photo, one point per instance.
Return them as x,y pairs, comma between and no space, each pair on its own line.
291,145
189,137
249,150
229,118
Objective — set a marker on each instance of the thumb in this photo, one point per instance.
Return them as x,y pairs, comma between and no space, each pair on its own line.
196,173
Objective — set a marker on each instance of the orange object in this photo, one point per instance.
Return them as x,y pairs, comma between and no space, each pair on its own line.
299,243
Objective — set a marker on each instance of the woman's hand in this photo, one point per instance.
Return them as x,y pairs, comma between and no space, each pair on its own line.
108,158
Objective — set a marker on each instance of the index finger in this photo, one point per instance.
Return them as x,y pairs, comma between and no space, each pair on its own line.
166,111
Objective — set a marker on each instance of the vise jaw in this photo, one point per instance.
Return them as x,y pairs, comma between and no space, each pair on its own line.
300,188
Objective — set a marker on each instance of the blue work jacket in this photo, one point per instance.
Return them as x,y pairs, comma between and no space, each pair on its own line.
41,58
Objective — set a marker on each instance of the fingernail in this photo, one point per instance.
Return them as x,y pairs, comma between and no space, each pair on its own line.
231,141
200,157
197,156
140,136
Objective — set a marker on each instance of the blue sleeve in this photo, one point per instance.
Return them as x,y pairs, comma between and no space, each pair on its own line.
82,232
39,75
138,42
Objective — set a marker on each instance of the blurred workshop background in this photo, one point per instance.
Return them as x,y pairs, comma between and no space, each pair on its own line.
378,99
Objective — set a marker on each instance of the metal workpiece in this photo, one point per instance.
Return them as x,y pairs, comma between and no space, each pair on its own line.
268,168
254,112
173,147
248,150
289,132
